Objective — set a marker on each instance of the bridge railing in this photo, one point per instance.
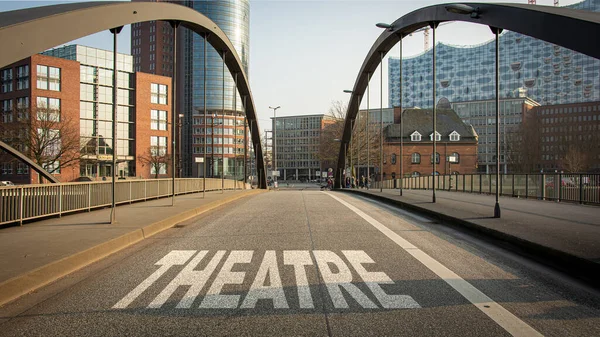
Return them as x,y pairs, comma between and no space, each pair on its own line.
26,202
578,187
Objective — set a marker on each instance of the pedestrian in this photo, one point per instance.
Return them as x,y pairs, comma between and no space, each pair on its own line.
362,181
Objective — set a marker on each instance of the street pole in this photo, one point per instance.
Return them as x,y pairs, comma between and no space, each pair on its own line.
174,25
496,32
235,169
381,54
401,126
113,215
367,127
223,130
205,164
433,26
275,144
245,145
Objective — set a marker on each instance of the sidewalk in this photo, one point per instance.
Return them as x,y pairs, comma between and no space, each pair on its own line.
564,235
38,253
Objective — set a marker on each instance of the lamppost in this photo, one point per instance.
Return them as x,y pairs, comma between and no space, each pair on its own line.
179,161
275,145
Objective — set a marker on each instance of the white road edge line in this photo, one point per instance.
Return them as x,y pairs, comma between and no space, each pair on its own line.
509,322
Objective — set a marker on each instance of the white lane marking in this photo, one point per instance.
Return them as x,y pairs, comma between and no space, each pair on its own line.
196,279
258,289
299,259
175,257
341,279
374,279
213,298
509,322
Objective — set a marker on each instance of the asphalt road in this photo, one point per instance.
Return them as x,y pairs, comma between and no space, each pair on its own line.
304,262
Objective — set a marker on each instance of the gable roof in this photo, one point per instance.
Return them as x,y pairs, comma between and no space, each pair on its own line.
421,120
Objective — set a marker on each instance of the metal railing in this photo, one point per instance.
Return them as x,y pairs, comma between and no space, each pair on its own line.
583,188
26,202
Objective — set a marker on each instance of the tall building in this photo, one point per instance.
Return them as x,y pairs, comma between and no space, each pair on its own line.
67,93
482,116
152,48
545,72
297,140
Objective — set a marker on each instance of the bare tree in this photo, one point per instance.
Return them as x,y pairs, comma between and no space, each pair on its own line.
156,158
524,147
331,134
50,139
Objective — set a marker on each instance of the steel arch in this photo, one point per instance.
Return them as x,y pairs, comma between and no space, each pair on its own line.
15,153
29,31
574,29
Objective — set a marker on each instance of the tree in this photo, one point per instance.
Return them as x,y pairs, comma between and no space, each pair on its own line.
329,144
46,136
157,158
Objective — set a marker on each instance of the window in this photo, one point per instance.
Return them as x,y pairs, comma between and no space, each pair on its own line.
158,146
53,168
415,158
7,80
22,168
23,77
158,93
415,136
454,136
6,108
416,174
438,137
158,120
393,158
7,168
48,78
23,107
454,158
437,158
48,109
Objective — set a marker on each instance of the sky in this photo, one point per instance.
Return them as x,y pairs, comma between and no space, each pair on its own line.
304,53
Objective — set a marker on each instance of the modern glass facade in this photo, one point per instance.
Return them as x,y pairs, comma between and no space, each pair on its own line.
545,72
233,17
96,98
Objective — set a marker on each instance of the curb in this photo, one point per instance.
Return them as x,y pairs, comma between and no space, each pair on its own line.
23,284
581,268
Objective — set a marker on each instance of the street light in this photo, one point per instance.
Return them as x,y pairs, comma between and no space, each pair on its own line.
463,9
179,161
275,145
385,26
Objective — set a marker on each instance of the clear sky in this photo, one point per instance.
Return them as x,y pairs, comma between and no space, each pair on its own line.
304,53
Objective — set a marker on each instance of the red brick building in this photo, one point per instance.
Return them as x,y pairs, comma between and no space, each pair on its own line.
153,123
38,95
75,98
454,138
567,137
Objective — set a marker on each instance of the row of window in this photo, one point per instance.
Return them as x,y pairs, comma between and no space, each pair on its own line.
569,119
554,111
218,150
415,158
48,78
7,168
416,136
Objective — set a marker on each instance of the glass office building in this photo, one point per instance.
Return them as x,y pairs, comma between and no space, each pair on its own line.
542,71
233,17
96,99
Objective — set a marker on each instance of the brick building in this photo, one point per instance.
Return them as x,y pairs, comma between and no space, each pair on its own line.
563,137
454,138
74,85
39,97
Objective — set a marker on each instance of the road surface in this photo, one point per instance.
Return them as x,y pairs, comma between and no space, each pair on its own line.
305,262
